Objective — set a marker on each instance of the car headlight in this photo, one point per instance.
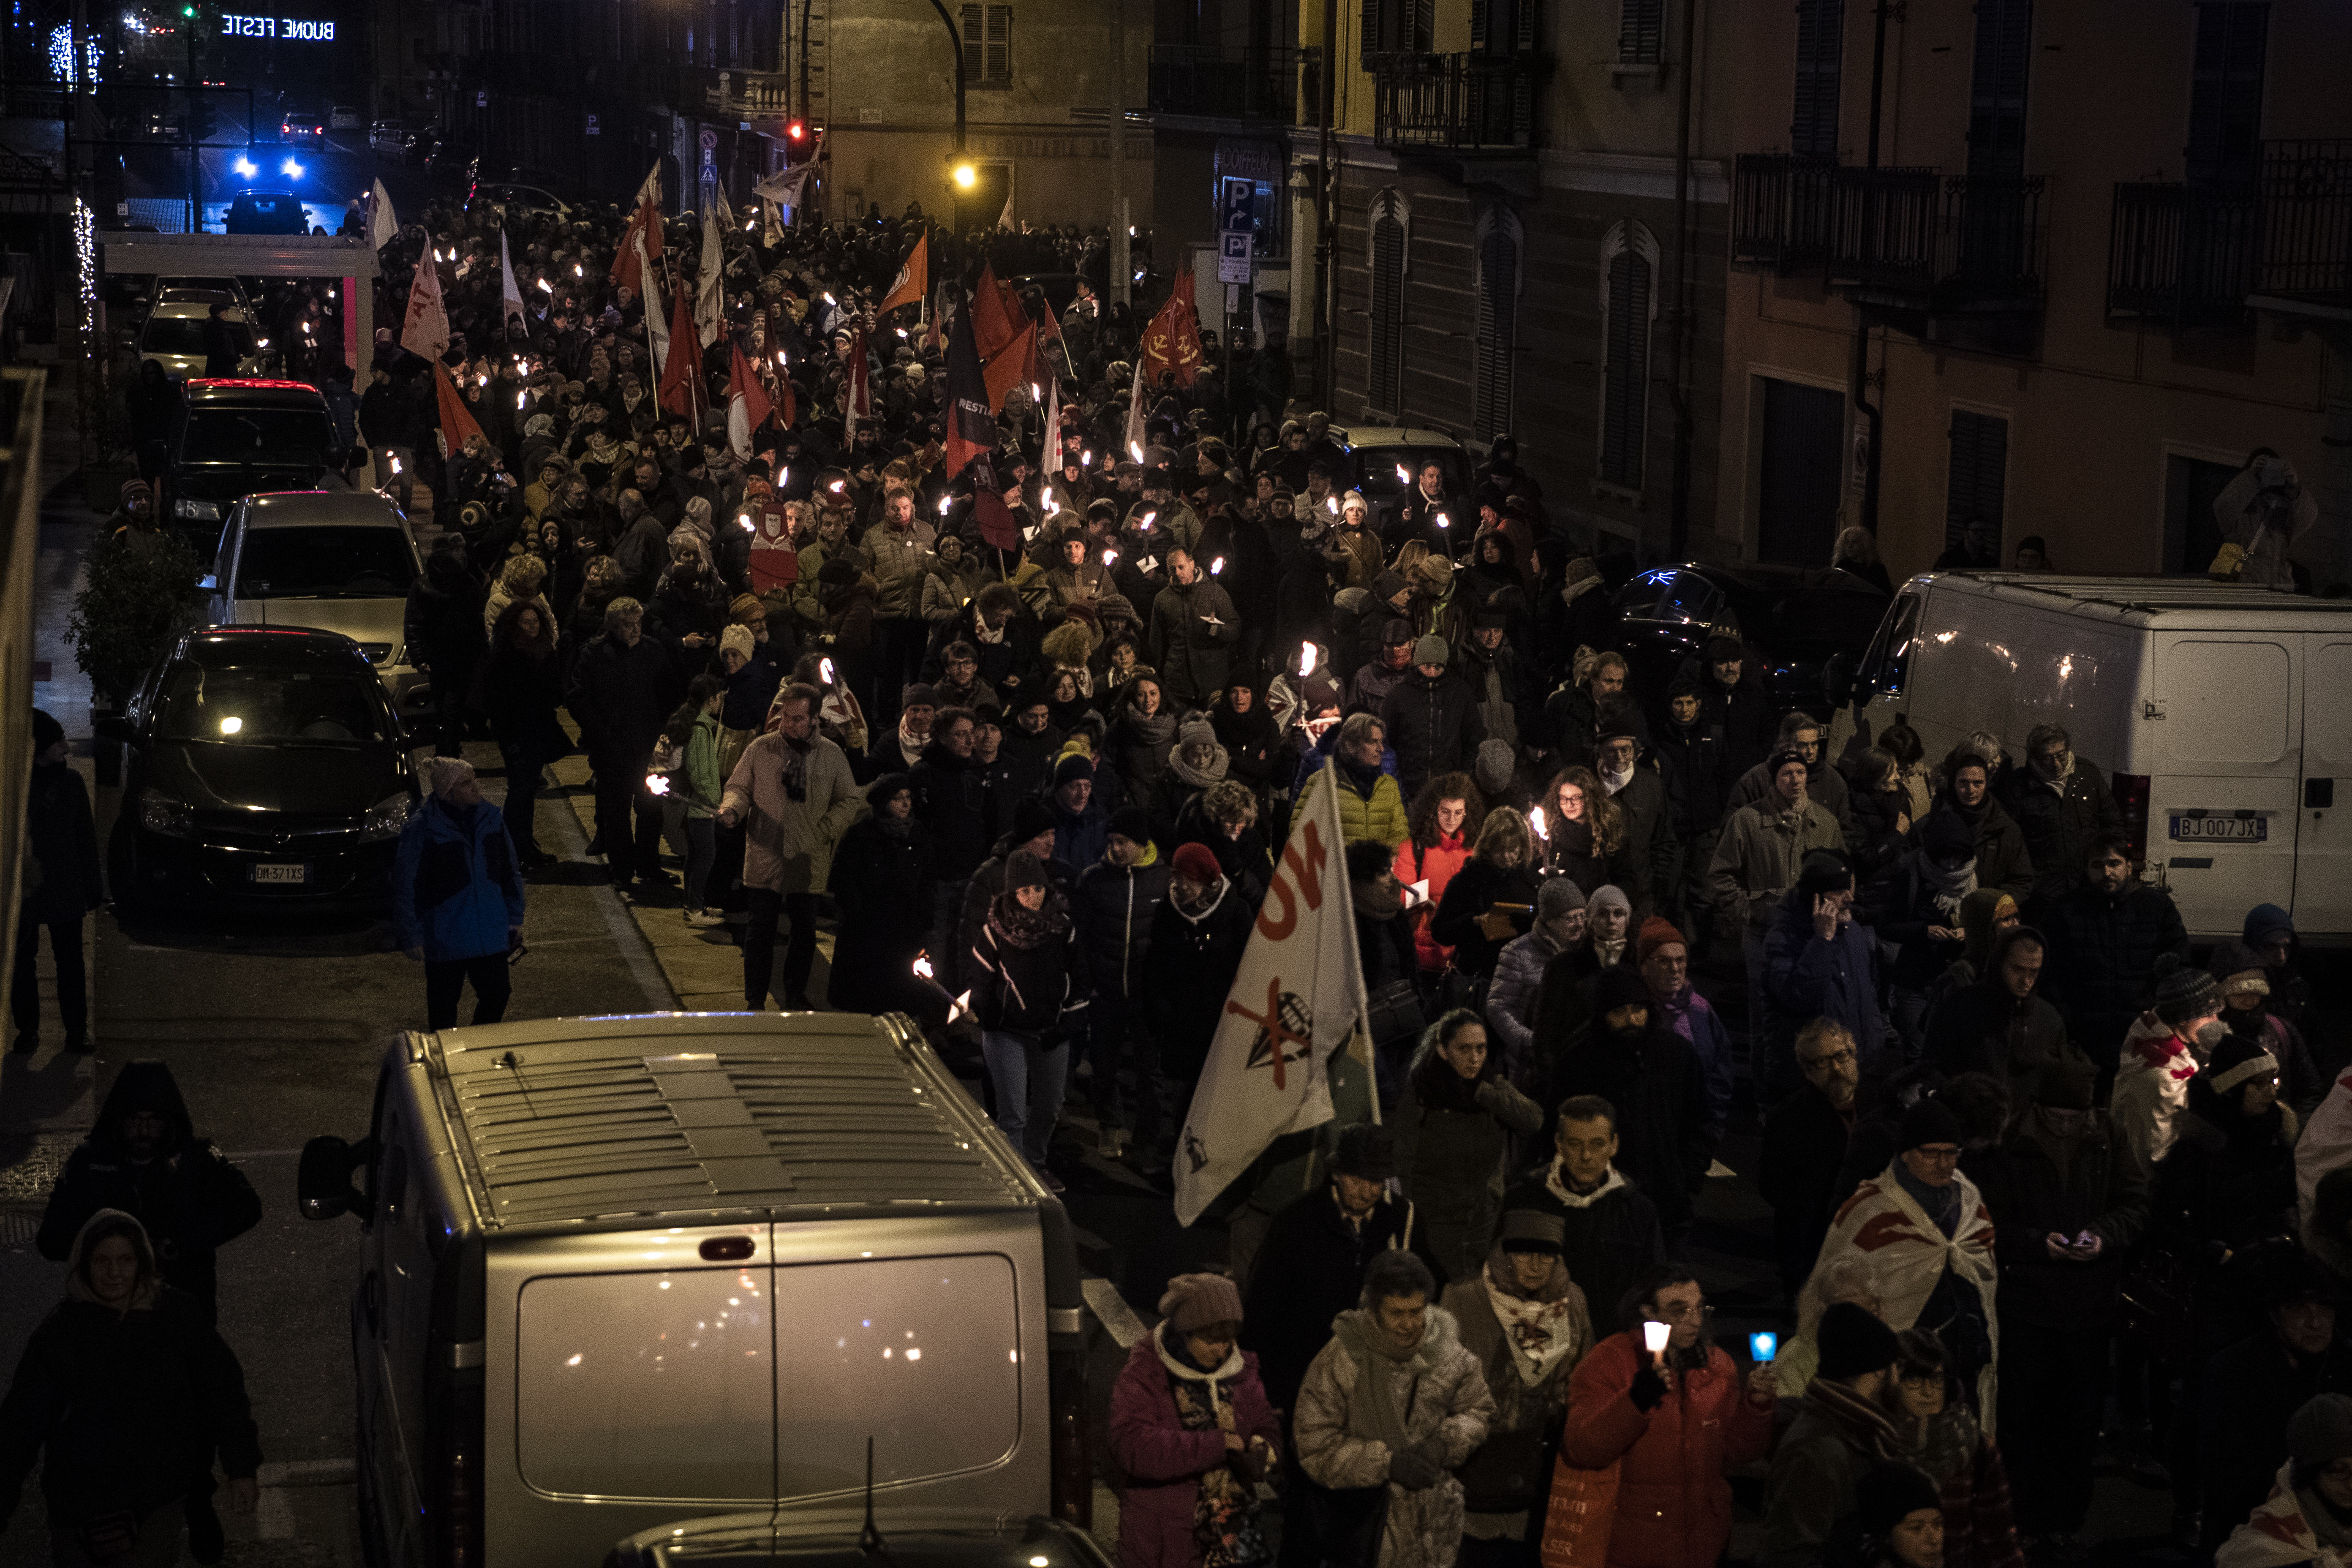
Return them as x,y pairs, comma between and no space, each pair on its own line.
291,167
166,814
197,511
245,166
384,819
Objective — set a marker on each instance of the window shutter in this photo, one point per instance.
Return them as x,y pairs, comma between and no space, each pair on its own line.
1386,347
1523,33
1424,26
1821,57
1978,475
974,62
1373,28
996,55
1997,90
2225,104
1498,311
1626,384
1640,32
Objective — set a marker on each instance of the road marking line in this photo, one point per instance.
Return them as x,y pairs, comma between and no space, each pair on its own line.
1110,1309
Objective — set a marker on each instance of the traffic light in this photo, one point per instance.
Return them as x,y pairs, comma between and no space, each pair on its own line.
803,142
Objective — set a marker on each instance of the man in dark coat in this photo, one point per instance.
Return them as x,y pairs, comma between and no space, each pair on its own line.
623,689
1640,793
1689,750
443,628
2251,1388
2061,801
1115,907
1804,1143
1625,1055
1431,718
1736,704
2105,933
1611,1235
144,1157
952,803
1197,936
2068,1199
62,884
1998,1025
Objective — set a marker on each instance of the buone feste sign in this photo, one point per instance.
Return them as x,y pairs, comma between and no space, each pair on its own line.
295,29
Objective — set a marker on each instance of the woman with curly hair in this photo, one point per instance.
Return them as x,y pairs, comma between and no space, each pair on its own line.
1441,827
1224,816
1492,897
1583,833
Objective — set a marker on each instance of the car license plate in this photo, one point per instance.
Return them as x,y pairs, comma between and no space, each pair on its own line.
280,873
2188,829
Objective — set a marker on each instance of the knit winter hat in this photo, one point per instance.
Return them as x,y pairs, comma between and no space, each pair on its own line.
1431,650
134,489
736,639
1195,732
2321,1431
1196,1301
2238,1061
1031,817
445,773
1196,862
1387,585
1494,767
1887,1494
1132,823
1532,1230
1432,575
1658,932
743,604
1852,1342
1366,1151
2062,1084
2236,968
1609,897
1073,767
1825,871
1928,1121
915,694
1022,870
1559,896
2183,992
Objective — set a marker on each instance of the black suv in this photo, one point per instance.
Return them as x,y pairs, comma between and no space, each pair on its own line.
236,438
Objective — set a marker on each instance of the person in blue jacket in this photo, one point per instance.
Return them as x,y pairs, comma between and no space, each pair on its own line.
1818,964
457,896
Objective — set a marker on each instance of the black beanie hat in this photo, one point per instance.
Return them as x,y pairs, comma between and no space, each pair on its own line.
1031,817
1852,1342
1825,871
1889,1493
1132,823
1929,1122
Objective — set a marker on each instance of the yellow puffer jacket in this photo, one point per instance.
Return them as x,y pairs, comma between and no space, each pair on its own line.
1382,818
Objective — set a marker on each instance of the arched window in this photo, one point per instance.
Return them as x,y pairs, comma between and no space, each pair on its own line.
1390,223
1629,304
1499,242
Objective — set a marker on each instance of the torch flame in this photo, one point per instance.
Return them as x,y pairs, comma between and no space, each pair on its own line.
1306,659
1402,478
1135,448
824,671
1536,821
923,966
1216,566
656,784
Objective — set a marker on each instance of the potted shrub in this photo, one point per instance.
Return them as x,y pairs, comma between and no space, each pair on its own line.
141,594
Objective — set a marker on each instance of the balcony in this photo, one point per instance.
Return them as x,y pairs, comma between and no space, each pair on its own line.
750,96
1780,211
1916,239
2182,255
1217,82
2305,259
1470,103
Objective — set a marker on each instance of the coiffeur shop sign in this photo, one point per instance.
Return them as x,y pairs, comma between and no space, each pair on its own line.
294,28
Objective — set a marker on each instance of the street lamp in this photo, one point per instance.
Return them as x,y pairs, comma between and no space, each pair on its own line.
965,175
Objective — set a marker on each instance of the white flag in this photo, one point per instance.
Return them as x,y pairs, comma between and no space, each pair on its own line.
424,331
382,227
1298,999
708,297
785,186
772,233
1135,413
510,291
1005,219
651,190
1050,452
657,318
719,209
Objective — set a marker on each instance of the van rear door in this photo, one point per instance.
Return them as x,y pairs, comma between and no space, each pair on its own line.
2323,882
2223,807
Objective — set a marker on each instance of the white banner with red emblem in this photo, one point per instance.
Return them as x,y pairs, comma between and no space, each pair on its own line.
1298,998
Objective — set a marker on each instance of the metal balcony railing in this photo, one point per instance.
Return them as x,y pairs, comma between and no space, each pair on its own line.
1781,210
2182,254
2306,222
1225,83
1468,103
1919,239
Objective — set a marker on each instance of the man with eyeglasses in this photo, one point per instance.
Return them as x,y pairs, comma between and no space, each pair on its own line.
1922,1229
1805,1140
2061,802
2070,1198
1662,956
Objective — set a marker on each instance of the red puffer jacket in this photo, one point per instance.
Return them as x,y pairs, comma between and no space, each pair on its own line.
1437,863
1673,1506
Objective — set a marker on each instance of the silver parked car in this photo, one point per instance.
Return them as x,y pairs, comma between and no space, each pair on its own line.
621,1273
335,561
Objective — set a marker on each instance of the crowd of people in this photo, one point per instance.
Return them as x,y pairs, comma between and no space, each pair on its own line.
1032,752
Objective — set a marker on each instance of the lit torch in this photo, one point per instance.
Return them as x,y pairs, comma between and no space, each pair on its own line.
1306,659
1536,821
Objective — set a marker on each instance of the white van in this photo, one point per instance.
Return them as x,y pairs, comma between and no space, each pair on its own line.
2221,715
618,1273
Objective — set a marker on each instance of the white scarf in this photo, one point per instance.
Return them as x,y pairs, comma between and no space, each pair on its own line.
1559,1188
1614,781
1541,1334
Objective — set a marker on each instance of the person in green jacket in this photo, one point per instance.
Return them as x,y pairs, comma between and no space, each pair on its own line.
691,736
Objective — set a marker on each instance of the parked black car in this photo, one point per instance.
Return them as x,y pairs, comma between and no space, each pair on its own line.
1798,618
267,770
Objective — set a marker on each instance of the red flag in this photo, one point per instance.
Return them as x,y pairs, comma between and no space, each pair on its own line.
1015,366
971,423
788,412
747,407
625,268
681,377
457,421
914,277
992,324
1172,340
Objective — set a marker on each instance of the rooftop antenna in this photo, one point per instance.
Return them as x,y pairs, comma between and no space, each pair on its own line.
869,1540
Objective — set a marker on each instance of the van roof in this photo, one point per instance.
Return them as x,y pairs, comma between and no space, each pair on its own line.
666,1113
2179,604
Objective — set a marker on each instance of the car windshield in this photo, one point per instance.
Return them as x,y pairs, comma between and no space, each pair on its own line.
1676,597
1376,469
242,706
186,335
324,563
277,437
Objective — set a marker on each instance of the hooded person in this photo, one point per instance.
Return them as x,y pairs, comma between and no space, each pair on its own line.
1626,1055
1028,975
63,883
144,1158
882,881
123,1396
2244,981
1456,1122
2307,1518
1197,933
2270,931
1192,1431
2000,1025
457,896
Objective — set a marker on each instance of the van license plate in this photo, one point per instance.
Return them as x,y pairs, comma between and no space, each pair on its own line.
300,873
2221,829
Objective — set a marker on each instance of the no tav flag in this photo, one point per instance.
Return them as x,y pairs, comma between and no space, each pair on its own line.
424,331
1298,999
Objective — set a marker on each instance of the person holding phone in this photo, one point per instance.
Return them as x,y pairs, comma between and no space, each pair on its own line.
1671,1412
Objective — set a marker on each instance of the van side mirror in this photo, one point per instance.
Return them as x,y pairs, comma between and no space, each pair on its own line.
208,583
323,1184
